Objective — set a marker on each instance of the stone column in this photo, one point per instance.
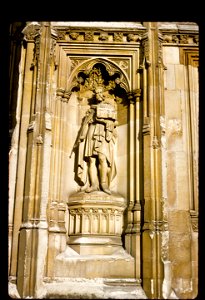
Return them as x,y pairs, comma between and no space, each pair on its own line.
131,168
153,221
17,155
33,237
136,230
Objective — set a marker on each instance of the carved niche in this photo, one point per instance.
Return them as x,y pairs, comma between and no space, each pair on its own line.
87,75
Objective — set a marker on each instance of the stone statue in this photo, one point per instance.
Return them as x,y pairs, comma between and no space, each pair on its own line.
95,144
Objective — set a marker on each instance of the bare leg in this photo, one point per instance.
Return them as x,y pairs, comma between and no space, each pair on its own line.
103,169
92,177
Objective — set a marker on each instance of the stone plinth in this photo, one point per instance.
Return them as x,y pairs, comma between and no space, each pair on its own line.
95,222
94,247
70,264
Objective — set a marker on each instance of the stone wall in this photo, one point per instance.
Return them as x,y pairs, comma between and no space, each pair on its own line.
156,157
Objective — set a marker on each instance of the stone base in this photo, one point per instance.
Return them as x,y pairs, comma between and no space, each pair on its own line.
95,222
81,288
70,264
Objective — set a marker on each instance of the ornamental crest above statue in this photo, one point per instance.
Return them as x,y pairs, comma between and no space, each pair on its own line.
99,72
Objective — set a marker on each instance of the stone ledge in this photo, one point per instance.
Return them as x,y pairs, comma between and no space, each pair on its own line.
100,288
97,197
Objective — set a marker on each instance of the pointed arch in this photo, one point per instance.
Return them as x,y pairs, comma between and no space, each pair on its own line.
112,68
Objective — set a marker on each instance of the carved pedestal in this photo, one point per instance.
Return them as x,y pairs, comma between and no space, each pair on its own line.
94,247
95,222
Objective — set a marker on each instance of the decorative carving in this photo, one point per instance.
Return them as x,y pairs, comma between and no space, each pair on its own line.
75,61
134,96
122,63
36,49
74,35
167,38
89,36
189,56
61,34
102,217
31,31
133,37
103,37
180,38
53,49
94,35
145,51
113,80
160,52
183,39
118,37
175,38
196,39
156,225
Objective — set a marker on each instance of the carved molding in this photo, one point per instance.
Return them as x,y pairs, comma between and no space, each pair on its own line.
180,38
156,226
93,35
98,210
189,56
97,220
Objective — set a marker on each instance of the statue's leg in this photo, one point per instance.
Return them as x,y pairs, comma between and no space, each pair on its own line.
103,169
92,175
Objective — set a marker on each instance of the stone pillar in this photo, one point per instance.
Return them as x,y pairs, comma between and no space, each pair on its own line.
17,161
33,237
96,223
133,230
153,220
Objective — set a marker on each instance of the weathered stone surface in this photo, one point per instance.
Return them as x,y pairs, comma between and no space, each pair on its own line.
95,289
